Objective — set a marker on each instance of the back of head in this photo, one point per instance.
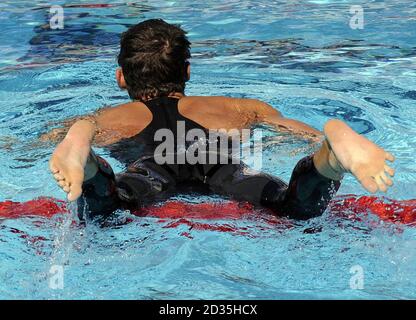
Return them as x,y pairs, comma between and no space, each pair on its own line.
153,57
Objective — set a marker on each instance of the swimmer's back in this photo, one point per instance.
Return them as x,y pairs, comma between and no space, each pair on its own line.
127,120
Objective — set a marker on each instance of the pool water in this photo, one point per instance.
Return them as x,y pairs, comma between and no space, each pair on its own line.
300,56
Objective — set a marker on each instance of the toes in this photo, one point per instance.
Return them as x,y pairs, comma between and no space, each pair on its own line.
389,156
62,183
66,189
380,184
369,184
74,194
58,177
389,170
386,179
53,168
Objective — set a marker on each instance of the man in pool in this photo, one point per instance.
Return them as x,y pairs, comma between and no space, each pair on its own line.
153,69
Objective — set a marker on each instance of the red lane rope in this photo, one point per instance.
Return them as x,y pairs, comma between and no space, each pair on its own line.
398,211
45,207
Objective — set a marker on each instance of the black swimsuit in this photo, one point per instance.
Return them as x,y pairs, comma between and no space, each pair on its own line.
145,181
165,115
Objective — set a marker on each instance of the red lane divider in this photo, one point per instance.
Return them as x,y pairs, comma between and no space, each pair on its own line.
45,207
398,211
177,210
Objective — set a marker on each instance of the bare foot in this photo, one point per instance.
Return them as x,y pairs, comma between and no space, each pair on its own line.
67,166
351,152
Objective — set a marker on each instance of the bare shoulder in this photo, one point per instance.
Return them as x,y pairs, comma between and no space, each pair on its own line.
124,114
114,123
219,111
217,102
241,105
208,110
120,122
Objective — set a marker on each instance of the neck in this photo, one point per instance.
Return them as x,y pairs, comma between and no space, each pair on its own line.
176,95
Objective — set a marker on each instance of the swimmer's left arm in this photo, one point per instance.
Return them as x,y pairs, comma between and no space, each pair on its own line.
267,114
56,135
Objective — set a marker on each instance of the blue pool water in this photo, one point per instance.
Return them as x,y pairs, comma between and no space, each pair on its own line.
300,56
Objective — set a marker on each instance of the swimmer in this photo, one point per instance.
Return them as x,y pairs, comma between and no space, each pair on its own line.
154,68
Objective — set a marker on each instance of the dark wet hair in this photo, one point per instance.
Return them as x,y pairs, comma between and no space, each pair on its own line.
154,57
